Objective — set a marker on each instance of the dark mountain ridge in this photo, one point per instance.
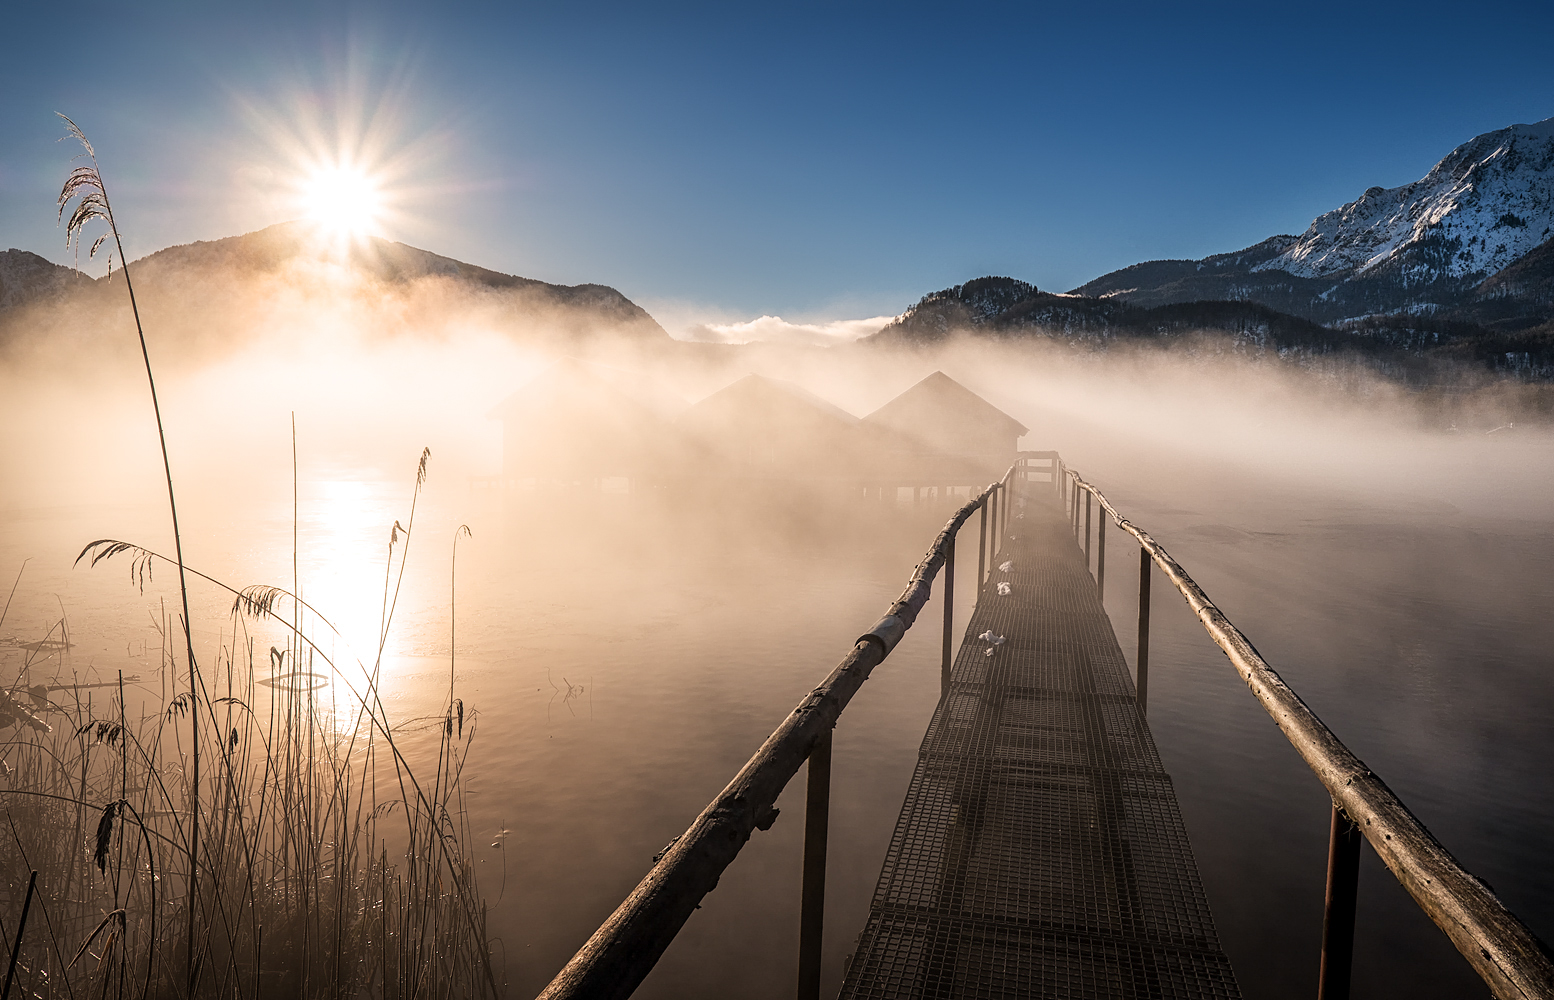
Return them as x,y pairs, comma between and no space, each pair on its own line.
26,277
1417,350
1024,310
205,286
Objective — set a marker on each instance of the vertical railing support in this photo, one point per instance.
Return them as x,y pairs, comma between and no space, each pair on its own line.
812,907
949,616
993,546
982,552
1343,887
1143,672
992,530
1003,509
1074,511
1100,560
1087,529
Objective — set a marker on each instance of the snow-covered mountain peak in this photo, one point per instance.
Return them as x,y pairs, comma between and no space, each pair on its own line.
1486,203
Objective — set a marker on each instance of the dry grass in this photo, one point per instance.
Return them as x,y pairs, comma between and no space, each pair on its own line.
326,866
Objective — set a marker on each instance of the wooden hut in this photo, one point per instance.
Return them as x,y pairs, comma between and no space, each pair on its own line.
947,434
765,428
582,422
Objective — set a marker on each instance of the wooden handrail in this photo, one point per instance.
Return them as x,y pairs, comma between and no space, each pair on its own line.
624,949
1503,950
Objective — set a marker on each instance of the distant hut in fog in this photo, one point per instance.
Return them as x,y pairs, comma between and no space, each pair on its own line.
765,428
578,422
947,433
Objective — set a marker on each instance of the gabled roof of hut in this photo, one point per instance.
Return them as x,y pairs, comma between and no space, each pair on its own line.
758,394
940,402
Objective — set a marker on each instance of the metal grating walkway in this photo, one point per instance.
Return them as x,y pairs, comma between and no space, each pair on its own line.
1040,851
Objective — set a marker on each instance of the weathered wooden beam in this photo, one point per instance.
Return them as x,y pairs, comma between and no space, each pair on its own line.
1502,950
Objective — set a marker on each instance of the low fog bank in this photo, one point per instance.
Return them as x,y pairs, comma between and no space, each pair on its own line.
1247,444
373,373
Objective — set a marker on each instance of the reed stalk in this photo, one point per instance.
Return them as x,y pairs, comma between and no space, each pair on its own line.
86,187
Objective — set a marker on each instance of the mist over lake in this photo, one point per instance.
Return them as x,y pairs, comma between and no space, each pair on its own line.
621,653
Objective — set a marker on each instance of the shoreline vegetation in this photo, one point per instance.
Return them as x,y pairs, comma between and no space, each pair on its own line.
327,867
243,836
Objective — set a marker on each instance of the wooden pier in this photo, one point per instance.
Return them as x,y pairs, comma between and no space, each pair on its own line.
1040,851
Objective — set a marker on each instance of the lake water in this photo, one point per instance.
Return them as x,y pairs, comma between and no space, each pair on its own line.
625,661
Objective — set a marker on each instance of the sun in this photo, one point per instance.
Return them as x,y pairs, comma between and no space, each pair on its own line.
345,202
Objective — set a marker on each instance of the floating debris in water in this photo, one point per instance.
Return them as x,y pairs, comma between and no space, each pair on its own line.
1003,589
12,713
299,680
1005,566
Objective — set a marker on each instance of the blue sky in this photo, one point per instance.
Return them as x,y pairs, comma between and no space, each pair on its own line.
816,161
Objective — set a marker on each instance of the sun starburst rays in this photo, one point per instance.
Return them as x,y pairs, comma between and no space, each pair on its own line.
342,156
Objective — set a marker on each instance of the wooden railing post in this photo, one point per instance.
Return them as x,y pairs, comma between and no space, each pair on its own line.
1100,561
1343,887
982,552
1003,510
993,547
812,907
992,530
949,616
1143,672
1087,529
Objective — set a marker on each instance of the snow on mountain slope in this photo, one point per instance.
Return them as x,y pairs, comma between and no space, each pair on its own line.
1488,202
